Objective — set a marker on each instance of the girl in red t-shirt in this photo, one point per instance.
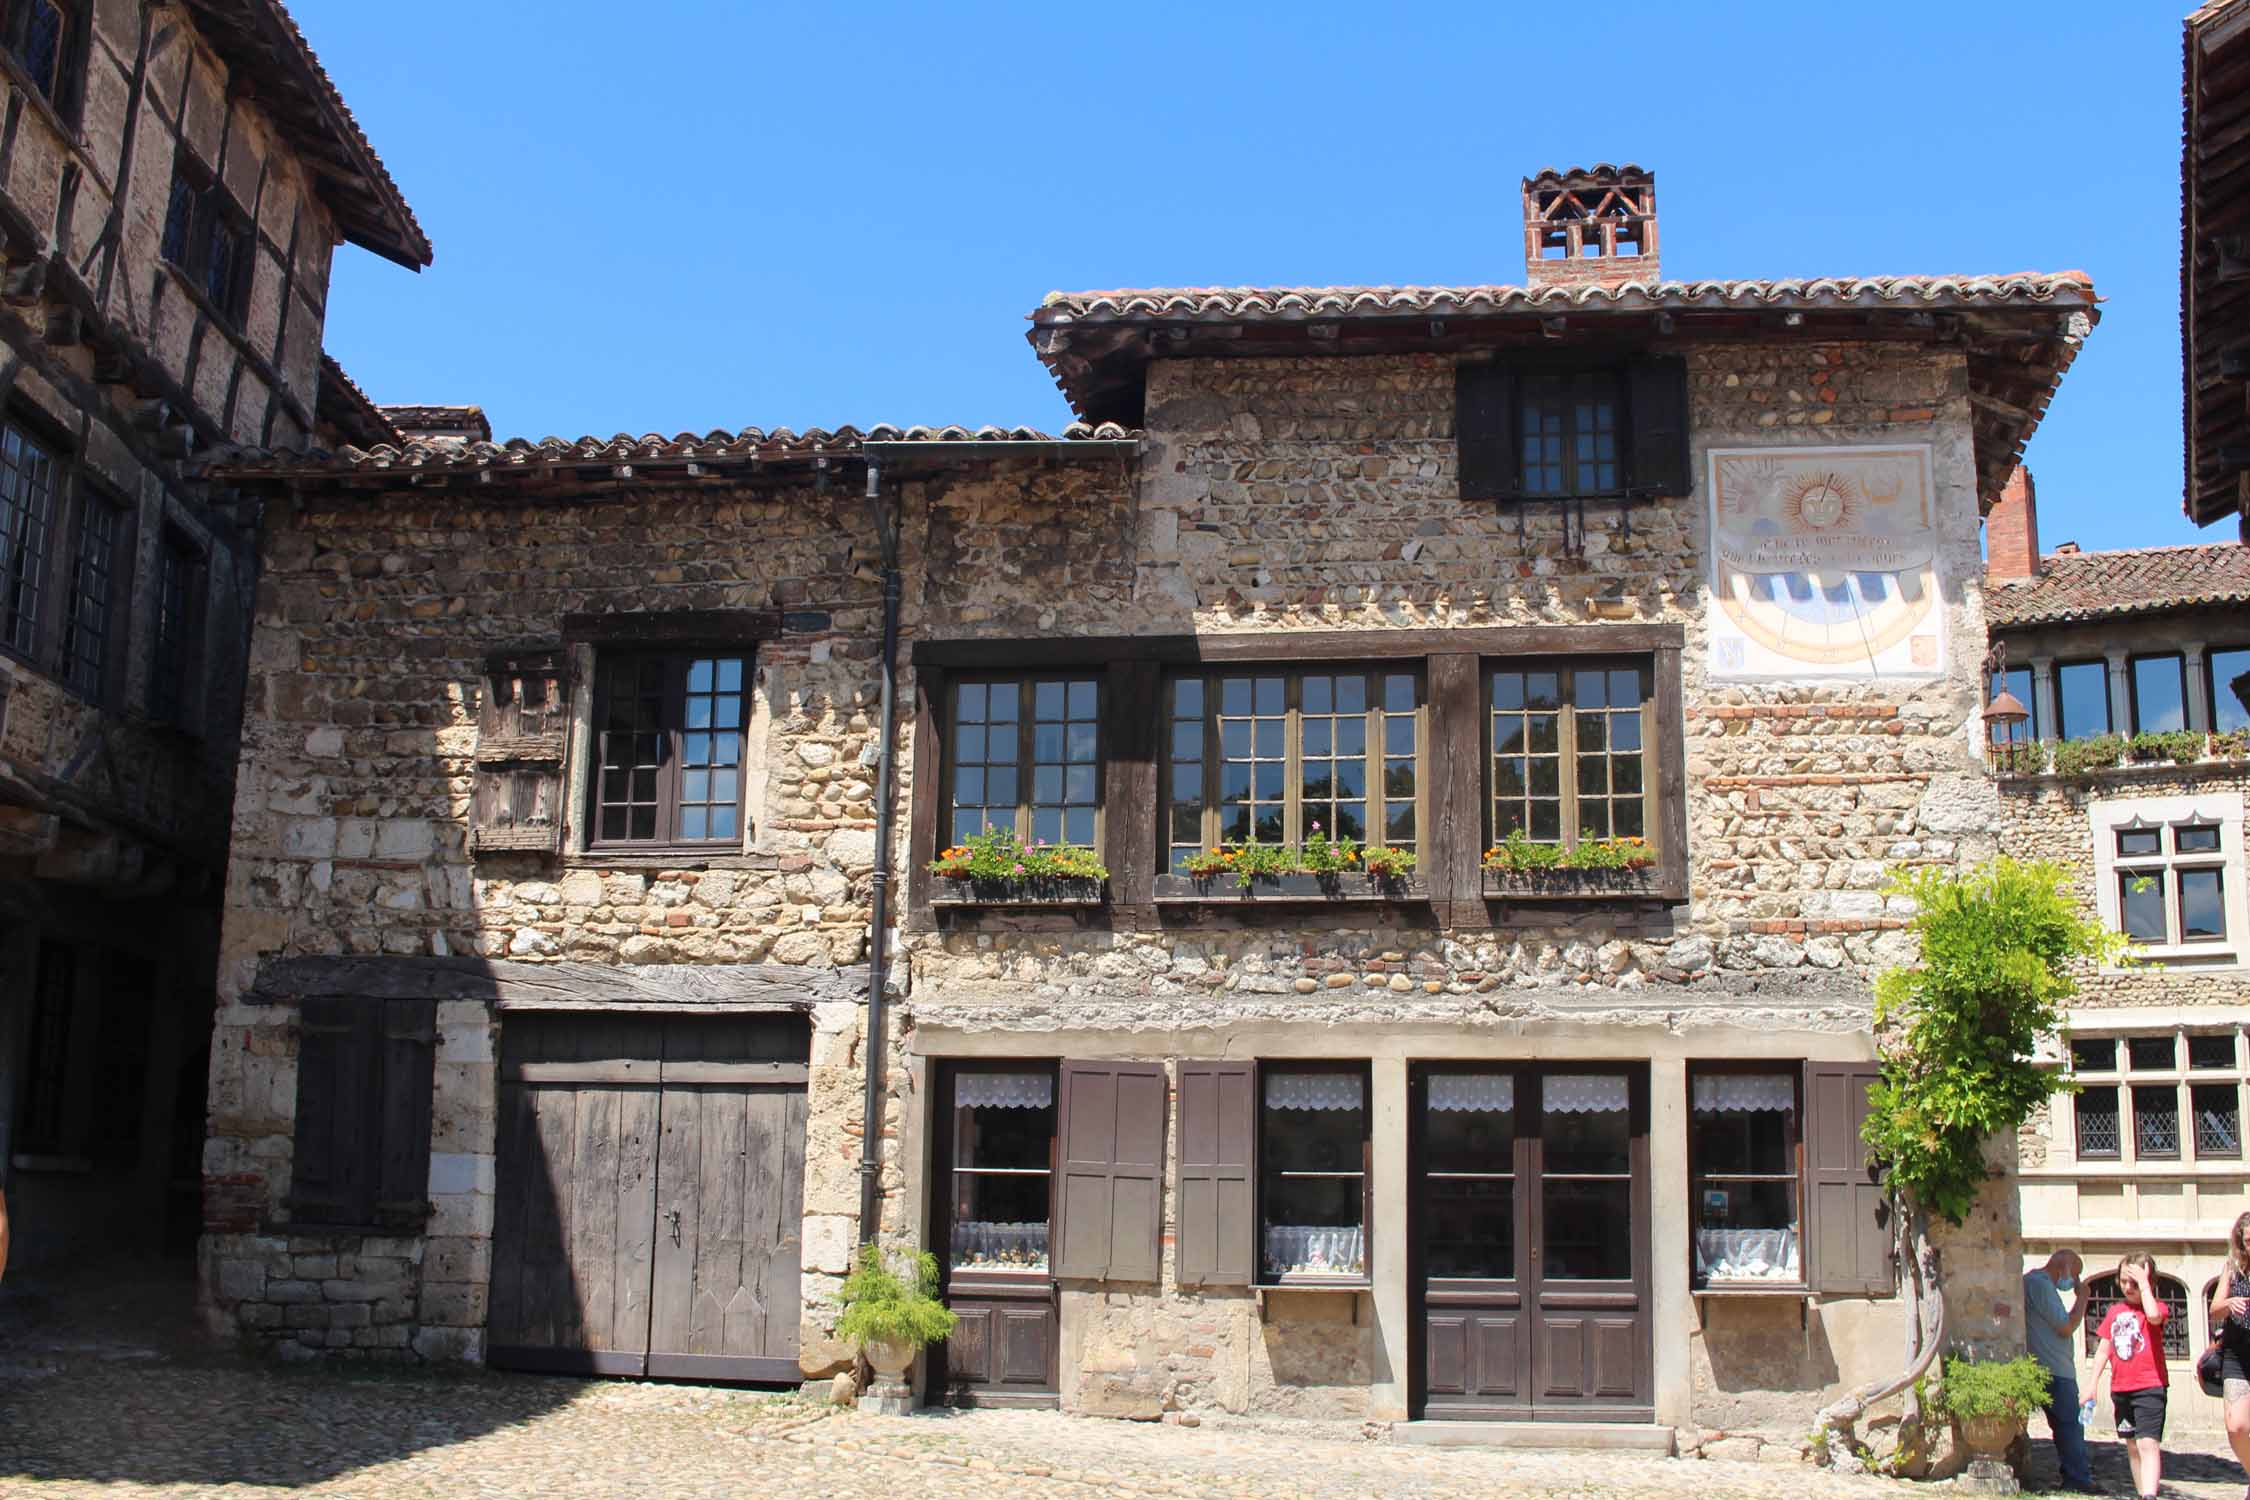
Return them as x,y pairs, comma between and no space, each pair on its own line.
2132,1351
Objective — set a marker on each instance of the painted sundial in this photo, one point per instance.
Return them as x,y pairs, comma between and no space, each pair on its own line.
1823,563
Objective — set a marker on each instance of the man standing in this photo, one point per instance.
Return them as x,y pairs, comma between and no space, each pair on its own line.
2050,1325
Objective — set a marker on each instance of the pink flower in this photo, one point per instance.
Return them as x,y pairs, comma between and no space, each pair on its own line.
1316,828
1019,867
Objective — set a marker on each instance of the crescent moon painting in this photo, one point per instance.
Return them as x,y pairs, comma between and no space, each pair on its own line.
1823,564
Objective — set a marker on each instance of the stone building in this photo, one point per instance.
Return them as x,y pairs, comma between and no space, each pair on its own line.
173,182
544,1029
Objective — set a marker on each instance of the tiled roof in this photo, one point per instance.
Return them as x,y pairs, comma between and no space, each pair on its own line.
2075,586
344,406
1919,293
260,38
2214,302
443,455
420,417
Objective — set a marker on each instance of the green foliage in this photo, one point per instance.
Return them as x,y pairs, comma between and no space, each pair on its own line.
1998,944
1319,855
1991,1388
2182,745
880,1304
1385,863
1001,858
1518,854
2092,752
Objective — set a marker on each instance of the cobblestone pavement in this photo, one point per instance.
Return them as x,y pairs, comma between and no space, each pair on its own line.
87,1414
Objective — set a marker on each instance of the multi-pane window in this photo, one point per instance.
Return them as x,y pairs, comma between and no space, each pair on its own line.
36,34
1002,1169
670,731
2082,698
1469,1170
1279,757
2022,683
2103,1293
2159,693
1569,433
1569,753
2136,1102
209,238
1743,1165
2171,882
27,501
1313,1159
93,594
2229,672
1026,759
173,668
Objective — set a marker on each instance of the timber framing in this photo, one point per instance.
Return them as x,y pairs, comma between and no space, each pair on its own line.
2215,260
566,986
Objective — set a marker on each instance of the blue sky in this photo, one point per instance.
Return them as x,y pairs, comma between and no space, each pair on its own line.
694,213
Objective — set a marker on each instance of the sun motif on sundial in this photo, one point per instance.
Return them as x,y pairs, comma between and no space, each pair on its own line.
1820,501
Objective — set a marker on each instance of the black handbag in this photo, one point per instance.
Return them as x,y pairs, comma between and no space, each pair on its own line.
2209,1368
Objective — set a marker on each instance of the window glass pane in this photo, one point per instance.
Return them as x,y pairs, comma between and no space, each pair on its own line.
1000,1221
1587,1122
2140,903
1736,1130
2212,1050
26,508
1587,1229
1468,1144
2156,1120
2137,842
1313,1131
2096,1109
709,787
633,746
1542,435
2230,689
2094,1054
2218,1119
1472,1231
2152,1054
1063,777
2083,687
86,627
2017,680
2159,695
2202,905
1003,1119
2196,838
986,749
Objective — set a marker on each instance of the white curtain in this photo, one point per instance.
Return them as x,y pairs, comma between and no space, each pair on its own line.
1314,1090
1315,1250
1494,1092
1003,1091
1585,1094
1747,1254
1744,1092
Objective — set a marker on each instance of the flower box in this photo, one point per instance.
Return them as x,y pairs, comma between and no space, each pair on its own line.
1563,883
1212,889
1045,891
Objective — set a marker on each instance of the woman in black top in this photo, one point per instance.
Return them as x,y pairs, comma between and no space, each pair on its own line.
2230,1329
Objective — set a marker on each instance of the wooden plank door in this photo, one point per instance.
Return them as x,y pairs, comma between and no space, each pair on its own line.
574,1224
1588,1271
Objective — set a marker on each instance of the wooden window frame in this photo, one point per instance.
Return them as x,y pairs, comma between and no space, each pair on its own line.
2063,728
1027,722
672,726
2133,686
1296,825
1567,752
946,1147
85,672
1568,401
1795,1072
1263,1173
63,93
2212,685
197,212
31,499
1649,400
183,581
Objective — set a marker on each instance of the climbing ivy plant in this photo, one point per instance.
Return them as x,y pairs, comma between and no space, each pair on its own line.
1958,1032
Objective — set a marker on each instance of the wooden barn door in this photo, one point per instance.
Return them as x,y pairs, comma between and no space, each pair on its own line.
650,1181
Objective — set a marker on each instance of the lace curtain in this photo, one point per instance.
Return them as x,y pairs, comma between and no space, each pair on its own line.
1494,1092
1585,1094
1314,1090
1003,1091
1744,1092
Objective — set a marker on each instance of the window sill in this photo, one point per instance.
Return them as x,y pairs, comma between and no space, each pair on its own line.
1221,890
998,1281
1726,1289
727,857
949,892
1572,885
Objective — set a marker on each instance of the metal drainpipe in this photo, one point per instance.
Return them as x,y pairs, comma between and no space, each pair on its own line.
878,938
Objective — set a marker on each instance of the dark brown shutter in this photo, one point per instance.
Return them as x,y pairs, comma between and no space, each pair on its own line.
1217,1221
1848,1232
522,733
408,1050
327,1180
1656,401
1484,430
1109,1211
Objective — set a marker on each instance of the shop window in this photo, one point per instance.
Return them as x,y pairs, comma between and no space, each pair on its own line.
669,733
1003,1157
2159,695
1024,758
1744,1183
1313,1166
1283,757
2082,694
1586,1176
2102,1294
2228,673
1569,752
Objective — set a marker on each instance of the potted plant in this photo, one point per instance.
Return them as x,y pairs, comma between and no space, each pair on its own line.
2092,752
1521,863
1989,1401
1323,867
2181,746
890,1317
996,868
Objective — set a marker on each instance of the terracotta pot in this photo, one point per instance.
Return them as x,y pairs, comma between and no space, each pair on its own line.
1989,1437
890,1357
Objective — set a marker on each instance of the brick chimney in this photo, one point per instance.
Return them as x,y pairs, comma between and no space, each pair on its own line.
2011,531
1590,226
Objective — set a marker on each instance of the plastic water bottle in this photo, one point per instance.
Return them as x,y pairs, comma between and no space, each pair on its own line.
2086,1412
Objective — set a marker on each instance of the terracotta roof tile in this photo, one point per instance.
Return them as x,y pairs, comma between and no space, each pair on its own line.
2137,580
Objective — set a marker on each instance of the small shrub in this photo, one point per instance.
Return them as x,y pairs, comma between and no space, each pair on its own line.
2182,745
1518,853
2093,752
1000,858
1991,1388
881,1305
1328,858
1385,863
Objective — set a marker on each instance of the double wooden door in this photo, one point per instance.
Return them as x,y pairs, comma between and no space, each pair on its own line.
650,1183
1528,1245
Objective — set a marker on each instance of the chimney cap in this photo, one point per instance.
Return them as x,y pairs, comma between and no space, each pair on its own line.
1590,226
1601,172
2065,547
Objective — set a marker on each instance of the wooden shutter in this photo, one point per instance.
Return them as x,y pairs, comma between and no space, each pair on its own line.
1848,1227
1656,404
1217,1219
1485,432
328,1183
1109,1212
523,728
407,1049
